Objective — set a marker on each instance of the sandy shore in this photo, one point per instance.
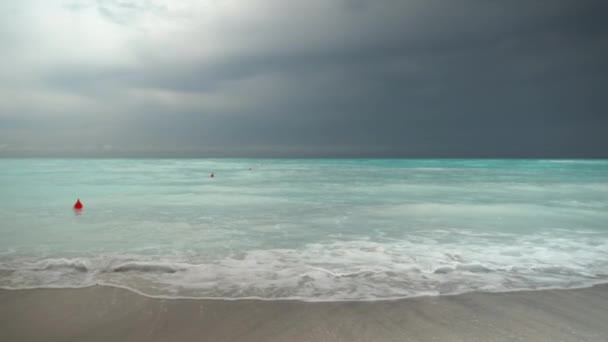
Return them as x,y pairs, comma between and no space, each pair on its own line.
111,314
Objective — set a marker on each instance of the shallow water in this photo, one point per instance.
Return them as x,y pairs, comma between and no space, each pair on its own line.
318,230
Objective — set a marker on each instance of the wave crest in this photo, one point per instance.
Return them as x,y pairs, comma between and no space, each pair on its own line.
58,264
146,267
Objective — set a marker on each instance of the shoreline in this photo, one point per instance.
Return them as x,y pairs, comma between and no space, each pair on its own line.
102,313
298,299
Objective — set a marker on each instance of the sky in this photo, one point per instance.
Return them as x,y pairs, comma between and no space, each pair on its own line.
314,78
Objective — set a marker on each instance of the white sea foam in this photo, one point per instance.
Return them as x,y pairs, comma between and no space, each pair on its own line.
341,270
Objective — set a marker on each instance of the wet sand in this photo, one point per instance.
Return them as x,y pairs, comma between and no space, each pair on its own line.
111,314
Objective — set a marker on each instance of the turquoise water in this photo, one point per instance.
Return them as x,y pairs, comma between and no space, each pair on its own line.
327,229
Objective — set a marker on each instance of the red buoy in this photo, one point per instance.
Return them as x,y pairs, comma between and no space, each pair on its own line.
78,205
211,175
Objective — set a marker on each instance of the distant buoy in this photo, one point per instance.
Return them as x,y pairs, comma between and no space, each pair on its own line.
250,169
78,205
212,175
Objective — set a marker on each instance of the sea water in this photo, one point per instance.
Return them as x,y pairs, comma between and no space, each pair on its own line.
314,230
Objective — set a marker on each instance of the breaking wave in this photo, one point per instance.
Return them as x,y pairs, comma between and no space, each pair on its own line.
338,270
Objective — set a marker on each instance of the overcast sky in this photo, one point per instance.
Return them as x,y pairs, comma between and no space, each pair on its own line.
382,78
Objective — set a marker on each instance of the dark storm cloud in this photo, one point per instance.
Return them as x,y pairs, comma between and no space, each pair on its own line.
350,78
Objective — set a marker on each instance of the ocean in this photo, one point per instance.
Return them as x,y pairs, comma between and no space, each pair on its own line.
304,229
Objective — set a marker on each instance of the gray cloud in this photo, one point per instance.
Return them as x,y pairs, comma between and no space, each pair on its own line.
319,78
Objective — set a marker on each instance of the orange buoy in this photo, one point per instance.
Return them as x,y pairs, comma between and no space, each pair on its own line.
78,205
212,175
